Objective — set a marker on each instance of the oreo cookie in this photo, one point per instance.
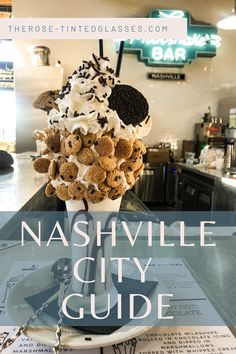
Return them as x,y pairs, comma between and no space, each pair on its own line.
129,103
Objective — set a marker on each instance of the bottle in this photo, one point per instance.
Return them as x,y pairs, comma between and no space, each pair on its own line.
58,64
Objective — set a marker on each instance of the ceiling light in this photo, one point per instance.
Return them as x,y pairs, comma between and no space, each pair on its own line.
229,22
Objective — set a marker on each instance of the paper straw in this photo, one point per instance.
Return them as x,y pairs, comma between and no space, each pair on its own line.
119,59
100,48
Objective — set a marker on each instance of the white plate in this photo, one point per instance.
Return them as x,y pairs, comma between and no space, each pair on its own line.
71,338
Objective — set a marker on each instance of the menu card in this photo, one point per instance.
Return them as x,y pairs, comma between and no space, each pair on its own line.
176,339
23,344
179,340
169,338
27,346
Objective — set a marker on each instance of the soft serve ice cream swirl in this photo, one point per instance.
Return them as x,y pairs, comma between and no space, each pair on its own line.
83,103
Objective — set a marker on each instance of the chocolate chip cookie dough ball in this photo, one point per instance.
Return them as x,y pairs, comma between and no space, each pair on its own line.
46,151
128,166
105,146
116,193
93,195
62,192
103,187
85,156
137,160
76,190
130,179
52,170
88,139
108,163
46,101
60,161
124,149
131,164
41,165
50,190
49,131
65,133
138,149
138,172
96,174
63,148
53,142
68,171
73,144
114,178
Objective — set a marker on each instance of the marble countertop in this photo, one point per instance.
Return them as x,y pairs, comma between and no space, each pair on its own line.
20,189
19,183
208,172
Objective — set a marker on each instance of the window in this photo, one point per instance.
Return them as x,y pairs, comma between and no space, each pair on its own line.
7,96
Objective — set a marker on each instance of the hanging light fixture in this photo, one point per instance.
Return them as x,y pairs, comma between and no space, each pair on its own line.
229,22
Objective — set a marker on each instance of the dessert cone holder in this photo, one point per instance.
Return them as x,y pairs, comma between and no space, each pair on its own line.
91,270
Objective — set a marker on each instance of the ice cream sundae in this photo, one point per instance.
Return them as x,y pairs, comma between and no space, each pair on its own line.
94,148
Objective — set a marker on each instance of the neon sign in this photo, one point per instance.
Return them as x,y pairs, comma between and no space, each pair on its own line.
202,41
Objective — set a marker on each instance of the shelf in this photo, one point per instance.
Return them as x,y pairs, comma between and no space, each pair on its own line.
6,88
12,80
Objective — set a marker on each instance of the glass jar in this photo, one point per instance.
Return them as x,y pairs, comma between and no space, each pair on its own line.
40,55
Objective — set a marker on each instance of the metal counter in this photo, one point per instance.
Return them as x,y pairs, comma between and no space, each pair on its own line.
201,188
